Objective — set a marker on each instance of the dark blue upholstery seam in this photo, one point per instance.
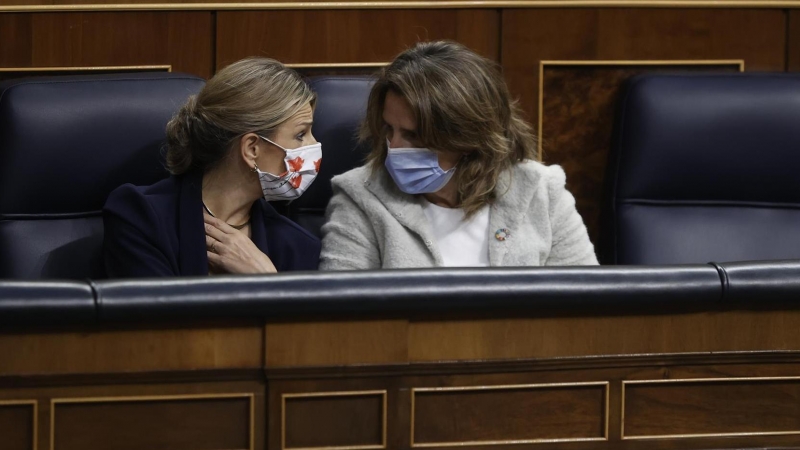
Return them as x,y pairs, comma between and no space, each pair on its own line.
708,203
96,297
32,82
723,278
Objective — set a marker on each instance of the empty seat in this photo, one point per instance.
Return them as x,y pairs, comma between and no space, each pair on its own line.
65,144
705,167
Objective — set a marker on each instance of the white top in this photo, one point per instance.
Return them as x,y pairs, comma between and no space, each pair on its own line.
462,243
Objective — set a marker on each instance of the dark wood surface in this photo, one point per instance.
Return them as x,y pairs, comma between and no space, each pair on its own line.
349,36
532,379
793,39
16,426
510,414
180,39
533,35
333,420
188,423
712,407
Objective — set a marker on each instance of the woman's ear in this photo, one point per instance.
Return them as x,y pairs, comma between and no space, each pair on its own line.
250,148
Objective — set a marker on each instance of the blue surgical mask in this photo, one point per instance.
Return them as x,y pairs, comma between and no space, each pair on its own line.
416,170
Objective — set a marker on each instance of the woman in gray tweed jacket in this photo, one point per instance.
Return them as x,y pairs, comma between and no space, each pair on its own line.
452,178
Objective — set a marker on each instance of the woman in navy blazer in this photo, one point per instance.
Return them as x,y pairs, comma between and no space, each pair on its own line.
243,140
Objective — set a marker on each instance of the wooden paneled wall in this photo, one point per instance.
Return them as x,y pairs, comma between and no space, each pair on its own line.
565,64
531,381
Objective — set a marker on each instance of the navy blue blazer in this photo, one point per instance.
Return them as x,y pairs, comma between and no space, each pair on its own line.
158,230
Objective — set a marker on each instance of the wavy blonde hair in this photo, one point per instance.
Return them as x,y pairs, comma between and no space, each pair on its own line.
253,95
461,104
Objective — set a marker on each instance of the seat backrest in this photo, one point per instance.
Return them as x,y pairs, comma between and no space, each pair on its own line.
341,107
65,144
705,167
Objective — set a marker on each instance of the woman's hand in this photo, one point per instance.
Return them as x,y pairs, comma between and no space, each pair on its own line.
231,251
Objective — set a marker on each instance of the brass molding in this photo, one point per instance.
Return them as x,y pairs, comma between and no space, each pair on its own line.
35,411
698,435
411,4
384,419
359,65
611,63
154,68
604,384
150,398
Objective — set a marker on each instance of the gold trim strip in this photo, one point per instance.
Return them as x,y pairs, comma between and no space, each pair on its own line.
698,435
384,419
605,384
150,398
365,65
445,4
625,62
84,68
35,412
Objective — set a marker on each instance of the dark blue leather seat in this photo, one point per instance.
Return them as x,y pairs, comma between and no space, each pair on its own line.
705,168
65,143
341,107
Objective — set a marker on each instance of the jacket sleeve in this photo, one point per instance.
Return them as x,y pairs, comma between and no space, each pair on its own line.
130,238
348,238
570,245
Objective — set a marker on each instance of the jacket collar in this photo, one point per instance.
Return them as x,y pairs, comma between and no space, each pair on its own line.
191,233
192,258
405,208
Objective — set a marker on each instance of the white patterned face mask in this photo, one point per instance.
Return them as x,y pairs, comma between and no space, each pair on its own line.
302,167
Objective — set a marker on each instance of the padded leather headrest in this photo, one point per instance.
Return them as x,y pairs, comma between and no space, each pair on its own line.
67,142
710,137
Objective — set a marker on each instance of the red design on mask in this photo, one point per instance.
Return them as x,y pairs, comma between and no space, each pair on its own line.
296,164
317,163
295,181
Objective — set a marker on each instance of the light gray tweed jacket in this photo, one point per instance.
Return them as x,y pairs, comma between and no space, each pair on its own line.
372,224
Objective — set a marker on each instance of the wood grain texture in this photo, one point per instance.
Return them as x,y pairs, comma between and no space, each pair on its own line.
212,423
530,36
348,36
336,343
712,407
578,108
16,427
793,64
545,337
131,351
334,421
508,415
180,39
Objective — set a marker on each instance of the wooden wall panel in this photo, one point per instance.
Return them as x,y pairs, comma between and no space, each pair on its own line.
336,419
348,36
17,426
129,351
533,35
793,38
713,407
136,423
180,39
578,140
510,414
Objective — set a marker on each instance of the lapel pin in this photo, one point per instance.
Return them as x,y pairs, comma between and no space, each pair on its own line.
502,234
